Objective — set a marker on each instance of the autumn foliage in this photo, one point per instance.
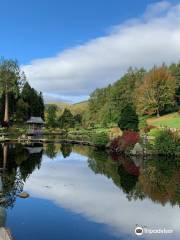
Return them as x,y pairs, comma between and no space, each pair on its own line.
124,142
156,91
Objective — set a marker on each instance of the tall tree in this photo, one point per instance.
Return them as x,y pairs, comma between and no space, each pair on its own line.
67,119
11,80
34,100
51,117
175,71
157,91
128,118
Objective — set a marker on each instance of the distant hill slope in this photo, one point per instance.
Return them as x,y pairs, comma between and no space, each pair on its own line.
171,120
76,108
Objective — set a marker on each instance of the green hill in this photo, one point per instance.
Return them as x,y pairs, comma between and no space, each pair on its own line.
76,108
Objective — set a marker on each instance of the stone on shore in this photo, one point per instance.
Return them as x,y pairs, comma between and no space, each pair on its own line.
137,150
23,195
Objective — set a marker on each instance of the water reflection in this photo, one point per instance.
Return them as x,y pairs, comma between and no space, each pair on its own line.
17,163
156,178
116,191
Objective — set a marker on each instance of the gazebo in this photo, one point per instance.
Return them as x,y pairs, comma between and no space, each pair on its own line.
35,126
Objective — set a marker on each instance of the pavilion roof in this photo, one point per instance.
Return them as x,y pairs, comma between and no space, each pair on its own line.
37,120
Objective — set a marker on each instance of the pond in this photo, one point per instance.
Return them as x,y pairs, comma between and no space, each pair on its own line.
79,193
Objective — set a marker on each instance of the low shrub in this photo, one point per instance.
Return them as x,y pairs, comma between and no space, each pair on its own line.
100,139
154,132
125,142
165,143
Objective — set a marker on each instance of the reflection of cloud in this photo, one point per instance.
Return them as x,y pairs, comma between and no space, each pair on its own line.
151,39
74,186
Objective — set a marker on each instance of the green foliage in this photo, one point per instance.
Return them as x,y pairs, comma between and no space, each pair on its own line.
11,77
34,100
78,119
11,81
16,96
165,143
51,118
67,119
156,92
105,104
66,150
128,119
175,71
22,112
100,139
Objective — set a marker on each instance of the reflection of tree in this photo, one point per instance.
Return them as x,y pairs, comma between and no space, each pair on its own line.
157,179
31,163
12,185
66,150
50,150
160,180
128,181
100,162
19,164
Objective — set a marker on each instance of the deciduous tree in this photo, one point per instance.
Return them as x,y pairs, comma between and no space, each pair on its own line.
157,91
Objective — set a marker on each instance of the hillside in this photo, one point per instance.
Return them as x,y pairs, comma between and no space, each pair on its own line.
76,108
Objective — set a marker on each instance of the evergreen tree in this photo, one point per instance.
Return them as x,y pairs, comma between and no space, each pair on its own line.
66,120
34,100
51,118
78,119
11,80
128,119
22,110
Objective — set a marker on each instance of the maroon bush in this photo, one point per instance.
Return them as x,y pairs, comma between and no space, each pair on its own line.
125,142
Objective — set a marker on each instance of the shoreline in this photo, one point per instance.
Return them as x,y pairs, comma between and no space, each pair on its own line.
79,142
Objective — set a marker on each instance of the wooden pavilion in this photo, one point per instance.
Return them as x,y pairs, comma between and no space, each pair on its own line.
35,126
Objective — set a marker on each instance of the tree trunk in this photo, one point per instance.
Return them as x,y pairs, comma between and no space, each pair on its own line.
5,154
6,111
158,115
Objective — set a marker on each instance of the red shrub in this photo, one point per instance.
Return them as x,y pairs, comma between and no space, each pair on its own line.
126,141
129,139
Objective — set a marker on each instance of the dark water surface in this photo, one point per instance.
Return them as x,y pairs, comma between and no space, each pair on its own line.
78,193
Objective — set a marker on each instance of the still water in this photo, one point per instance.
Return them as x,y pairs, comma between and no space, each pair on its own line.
78,193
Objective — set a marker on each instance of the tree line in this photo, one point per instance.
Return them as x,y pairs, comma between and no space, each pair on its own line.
137,93
18,100
141,92
64,121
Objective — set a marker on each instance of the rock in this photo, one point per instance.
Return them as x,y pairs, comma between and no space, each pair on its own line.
2,200
23,195
5,234
137,150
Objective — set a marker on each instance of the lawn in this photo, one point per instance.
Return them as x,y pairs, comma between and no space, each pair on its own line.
169,120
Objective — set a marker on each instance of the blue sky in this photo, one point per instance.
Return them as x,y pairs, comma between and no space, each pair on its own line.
35,31
41,28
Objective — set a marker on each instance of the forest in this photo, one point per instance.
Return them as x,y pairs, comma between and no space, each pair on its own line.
138,94
147,93
18,100
153,92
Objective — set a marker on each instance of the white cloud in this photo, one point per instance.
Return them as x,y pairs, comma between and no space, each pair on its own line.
150,39
72,185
